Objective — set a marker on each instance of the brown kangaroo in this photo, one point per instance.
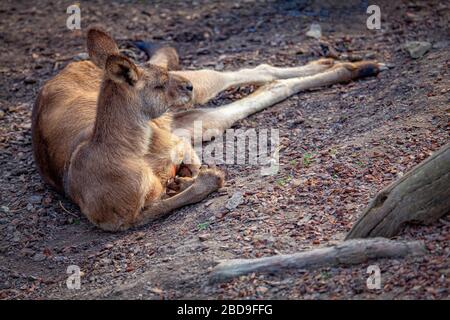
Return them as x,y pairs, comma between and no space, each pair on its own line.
103,130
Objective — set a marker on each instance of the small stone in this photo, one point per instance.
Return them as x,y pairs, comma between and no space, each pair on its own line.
35,199
203,51
29,80
39,257
208,203
262,290
417,49
81,56
315,31
219,66
204,237
390,65
236,199
155,290
263,238
370,56
60,258
297,182
17,236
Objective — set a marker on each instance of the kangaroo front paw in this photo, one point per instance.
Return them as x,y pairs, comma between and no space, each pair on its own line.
179,184
188,170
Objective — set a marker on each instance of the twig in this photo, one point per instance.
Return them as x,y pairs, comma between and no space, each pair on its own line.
67,211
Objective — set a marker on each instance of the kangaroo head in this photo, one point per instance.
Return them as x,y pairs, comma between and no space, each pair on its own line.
151,88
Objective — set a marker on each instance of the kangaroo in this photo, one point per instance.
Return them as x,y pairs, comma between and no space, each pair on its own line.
103,131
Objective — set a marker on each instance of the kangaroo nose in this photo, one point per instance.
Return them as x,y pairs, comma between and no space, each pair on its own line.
189,87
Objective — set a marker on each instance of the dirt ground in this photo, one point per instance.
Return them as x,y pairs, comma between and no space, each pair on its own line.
339,146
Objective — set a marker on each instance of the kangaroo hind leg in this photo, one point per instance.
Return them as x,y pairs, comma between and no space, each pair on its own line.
208,83
213,121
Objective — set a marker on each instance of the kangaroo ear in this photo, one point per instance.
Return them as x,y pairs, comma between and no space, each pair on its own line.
121,70
100,46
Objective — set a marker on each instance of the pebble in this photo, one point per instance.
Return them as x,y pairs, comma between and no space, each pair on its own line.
370,55
262,289
39,257
266,239
60,258
35,199
298,182
81,56
417,49
315,31
204,236
29,80
219,66
236,199
17,236
5,285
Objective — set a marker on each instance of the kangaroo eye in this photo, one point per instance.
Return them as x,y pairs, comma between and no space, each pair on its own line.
159,87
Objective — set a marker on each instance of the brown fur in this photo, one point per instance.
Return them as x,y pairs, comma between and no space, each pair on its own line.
103,137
